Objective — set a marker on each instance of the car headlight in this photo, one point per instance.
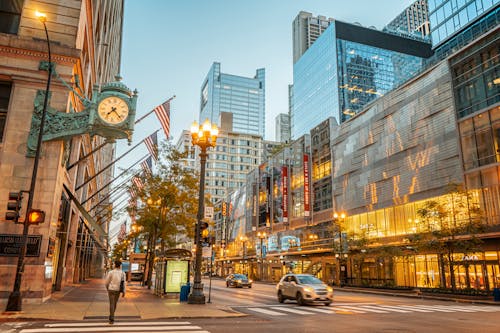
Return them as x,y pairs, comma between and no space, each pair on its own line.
329,289
308,289
238,281
250,281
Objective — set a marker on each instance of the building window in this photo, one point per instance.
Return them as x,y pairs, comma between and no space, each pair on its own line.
10,15
5,89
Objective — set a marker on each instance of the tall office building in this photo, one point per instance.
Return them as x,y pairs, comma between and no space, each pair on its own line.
232,158
282,127
345,69
306,29
185,145
244,97
450,17
412,22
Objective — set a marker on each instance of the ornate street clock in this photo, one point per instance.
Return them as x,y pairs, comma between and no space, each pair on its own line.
110,114
114,113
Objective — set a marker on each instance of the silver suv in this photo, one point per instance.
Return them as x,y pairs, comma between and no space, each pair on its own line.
304,288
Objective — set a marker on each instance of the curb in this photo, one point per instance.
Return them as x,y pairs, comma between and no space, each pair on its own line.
437,298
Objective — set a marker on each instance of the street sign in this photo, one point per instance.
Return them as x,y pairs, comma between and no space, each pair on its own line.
209,212
10,245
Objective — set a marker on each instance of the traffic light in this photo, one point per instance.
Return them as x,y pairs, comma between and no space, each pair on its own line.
14,206
204,232
36,216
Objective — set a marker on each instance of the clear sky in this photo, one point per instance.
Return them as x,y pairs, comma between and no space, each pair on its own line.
169,46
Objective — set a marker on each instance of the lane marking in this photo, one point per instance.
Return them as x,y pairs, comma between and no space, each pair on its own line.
268,312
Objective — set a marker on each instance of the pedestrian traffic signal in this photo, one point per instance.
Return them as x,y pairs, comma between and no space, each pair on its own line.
14,206
204,232
36,216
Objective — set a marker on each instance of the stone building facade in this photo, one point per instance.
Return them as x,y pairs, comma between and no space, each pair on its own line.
85,40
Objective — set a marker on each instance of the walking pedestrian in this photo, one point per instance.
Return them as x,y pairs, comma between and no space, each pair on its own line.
115,284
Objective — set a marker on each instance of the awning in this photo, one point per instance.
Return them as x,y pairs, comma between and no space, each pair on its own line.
91,224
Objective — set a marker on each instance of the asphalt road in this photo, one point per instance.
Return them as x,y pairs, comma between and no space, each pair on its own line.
350,312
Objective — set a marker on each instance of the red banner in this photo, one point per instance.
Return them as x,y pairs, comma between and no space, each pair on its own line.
284,191
307,205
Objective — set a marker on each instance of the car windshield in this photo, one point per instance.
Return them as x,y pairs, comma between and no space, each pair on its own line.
306,279
239,276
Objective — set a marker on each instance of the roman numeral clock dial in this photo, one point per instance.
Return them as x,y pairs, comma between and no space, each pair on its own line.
113,110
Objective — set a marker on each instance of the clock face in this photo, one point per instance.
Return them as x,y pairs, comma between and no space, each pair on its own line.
113,110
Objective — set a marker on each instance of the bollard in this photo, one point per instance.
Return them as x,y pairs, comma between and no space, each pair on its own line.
496,294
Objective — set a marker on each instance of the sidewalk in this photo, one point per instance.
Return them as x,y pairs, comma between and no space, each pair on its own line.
89,300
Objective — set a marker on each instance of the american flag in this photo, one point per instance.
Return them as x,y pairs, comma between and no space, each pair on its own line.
123,232
152,144
137,182
147,165
163,113
133,193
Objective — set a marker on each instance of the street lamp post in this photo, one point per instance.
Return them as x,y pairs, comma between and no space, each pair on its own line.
15,299
243,239
339,255
204,137
261,235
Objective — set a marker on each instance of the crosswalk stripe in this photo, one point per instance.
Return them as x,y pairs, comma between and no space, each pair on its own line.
432,308
345,308
485,308
413,308
121,323
393,308
321,310
291,310
458,308
268,312
375,309
109,328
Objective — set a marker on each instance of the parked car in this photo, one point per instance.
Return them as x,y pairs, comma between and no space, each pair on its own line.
136,276
304,288
238,280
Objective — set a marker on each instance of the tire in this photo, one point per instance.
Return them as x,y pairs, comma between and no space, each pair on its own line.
327,303
281,299
300,299
249,286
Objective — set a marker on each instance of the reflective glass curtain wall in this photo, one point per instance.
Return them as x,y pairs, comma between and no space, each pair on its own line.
447,17
315,96
242,96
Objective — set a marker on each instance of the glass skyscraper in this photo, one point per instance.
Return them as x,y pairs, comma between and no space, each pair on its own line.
242,96
346,68
448,17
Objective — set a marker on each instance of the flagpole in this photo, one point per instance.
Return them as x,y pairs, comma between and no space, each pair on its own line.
121,174
107,196
106,142
103,209
147,114
110,164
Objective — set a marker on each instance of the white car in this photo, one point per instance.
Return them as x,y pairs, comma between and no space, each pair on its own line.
304,288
